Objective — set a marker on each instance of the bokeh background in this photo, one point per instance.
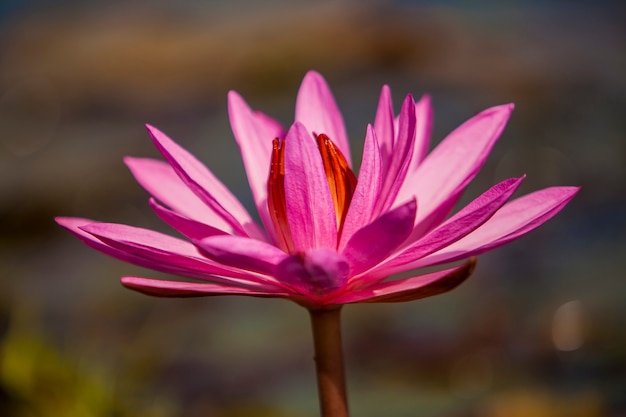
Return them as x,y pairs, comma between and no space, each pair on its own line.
537,331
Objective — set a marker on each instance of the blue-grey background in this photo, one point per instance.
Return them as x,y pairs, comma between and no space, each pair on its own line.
537,331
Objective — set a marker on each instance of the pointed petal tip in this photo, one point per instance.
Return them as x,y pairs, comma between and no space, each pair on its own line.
412,206
516,181
313,75
157,135
505,109
564,193
61,220
409,97
234,98
570,191
131,161
72,222
426,97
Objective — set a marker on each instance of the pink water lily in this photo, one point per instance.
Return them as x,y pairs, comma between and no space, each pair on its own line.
327,237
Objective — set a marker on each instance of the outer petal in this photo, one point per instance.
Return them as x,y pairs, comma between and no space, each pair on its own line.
374,242
177,255
205,185
465,221
367,189
202,270
514,220
241,252
254,133
410,289
163,288
310,209
447,170
186,226
317,110
161,181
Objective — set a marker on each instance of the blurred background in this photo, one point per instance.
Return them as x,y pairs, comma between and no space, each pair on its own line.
537,331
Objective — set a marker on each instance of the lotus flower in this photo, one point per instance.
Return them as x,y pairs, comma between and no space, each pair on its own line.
328,237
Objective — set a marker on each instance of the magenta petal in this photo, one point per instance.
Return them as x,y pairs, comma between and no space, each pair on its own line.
374,242
384,124
74,225
202,269
423,129
310,207
410,289
448,169
163,288
160,180
317,110
167,253
205,185
254,133
186,226
367,189
512,221
316,272
459,225
241,252
397,166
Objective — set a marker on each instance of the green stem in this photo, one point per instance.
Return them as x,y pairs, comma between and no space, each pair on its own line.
329,362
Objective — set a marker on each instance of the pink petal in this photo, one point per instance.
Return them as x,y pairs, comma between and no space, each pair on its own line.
367,189
410,289
161,181
374,242
317,110
396,168
205,271
163,288
465,221
254,133
423,129
186,226
163,252
241,252
448,169
310,207
512,221
316,272
384,124
205,185
74,224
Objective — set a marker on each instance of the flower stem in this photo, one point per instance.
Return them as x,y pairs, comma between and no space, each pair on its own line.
329,362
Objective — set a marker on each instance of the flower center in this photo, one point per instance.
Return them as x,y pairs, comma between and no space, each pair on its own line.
341,182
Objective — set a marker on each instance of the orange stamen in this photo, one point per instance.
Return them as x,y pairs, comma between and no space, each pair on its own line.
276,196
341,179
